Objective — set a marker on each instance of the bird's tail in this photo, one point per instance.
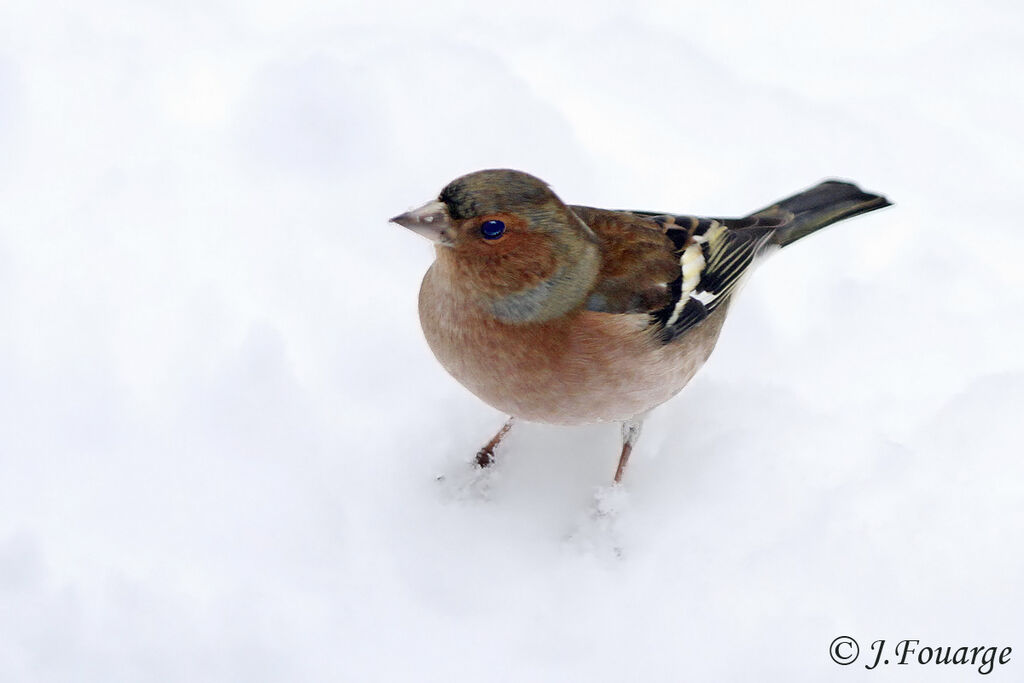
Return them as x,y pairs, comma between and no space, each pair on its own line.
813,209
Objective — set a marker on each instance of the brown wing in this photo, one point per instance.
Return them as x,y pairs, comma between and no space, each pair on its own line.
676,268
638,262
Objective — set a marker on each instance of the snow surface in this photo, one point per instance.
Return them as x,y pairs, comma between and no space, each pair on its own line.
220,426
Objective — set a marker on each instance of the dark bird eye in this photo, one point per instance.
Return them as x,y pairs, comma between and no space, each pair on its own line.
492,230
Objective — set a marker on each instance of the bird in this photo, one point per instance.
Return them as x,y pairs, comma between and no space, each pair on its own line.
567,314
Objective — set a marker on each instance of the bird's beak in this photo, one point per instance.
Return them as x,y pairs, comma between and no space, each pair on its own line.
430,220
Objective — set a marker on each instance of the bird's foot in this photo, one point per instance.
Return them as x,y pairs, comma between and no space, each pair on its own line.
469,480
484,457
599,531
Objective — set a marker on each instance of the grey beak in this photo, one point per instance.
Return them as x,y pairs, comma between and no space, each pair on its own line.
430,220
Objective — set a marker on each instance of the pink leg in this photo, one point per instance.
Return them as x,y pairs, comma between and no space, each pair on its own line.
630,433
485,456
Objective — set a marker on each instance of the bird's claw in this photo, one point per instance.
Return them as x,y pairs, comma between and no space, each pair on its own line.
468,481
598,532
484,458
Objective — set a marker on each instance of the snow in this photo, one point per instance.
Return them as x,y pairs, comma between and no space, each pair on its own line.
221,429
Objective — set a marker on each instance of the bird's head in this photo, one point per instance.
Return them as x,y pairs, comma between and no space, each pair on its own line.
509,240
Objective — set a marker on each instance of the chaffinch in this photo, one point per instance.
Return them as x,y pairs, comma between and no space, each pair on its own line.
571,314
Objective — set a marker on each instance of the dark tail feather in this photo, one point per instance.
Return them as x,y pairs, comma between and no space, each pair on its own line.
813,209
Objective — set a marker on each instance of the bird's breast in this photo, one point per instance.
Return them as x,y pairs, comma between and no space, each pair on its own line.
579,368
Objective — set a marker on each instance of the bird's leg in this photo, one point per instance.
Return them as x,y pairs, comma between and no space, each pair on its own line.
485,456
630,433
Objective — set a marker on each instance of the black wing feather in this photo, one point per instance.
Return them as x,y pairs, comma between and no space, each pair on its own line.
727,248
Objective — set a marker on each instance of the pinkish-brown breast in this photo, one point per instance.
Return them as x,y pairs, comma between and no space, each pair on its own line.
583,367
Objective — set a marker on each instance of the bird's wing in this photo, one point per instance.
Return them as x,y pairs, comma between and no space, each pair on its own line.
677,269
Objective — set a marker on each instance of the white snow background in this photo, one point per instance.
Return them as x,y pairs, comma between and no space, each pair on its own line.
220,425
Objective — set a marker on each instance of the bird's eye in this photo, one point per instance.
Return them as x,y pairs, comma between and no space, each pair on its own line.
492,230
